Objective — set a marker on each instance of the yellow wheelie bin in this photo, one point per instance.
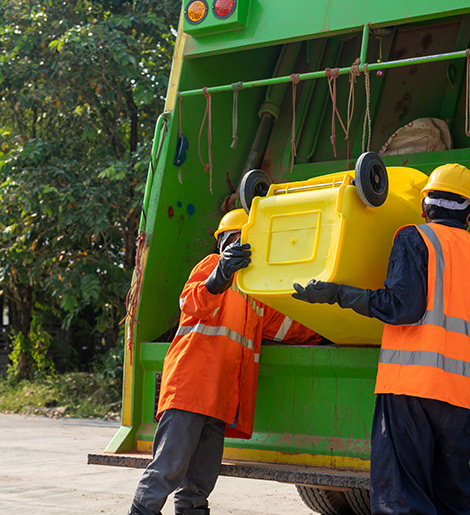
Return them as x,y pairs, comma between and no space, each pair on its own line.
337,227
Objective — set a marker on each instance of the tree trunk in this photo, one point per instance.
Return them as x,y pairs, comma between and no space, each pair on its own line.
21,310
134,119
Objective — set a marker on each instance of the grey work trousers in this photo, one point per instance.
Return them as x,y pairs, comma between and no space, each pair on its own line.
187,453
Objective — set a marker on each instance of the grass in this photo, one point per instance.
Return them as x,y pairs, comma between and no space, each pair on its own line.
73,394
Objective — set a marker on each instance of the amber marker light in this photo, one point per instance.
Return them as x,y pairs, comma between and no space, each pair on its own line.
196,11
223,8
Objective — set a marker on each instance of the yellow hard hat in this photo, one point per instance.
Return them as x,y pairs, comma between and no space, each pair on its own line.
453,178
232,221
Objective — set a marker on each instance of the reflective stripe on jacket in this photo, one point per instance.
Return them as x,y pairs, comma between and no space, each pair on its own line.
212,364
431,358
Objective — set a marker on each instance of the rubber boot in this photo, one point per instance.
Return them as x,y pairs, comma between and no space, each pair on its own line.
192,511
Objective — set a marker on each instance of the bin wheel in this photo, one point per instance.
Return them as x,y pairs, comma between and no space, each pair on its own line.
371,179
325,502
359,500
255,183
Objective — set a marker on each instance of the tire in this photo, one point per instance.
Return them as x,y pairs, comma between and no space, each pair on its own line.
325,502
371,179
359,500
255,183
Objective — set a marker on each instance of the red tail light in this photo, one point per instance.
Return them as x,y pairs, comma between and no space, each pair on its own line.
223,8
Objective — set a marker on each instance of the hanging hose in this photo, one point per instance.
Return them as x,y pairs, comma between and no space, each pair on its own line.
270,108
208,115
160,133
236,86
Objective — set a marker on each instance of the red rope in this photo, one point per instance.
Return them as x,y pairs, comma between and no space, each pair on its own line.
332,74
295,81
352,80
367,120
208,115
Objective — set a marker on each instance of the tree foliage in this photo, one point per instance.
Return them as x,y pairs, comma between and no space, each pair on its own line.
81,85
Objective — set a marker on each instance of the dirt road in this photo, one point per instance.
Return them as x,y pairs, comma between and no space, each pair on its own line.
43,471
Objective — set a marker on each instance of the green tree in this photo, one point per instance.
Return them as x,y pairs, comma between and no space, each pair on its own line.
81,85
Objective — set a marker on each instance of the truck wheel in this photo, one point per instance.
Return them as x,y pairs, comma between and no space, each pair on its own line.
371,179
255,183
325,502
359,500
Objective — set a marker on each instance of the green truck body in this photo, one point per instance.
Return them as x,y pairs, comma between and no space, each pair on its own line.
314,404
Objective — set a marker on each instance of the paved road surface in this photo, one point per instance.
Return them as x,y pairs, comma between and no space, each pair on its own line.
43,471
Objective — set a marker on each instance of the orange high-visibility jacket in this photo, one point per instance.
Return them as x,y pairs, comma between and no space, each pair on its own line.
431,358
212,365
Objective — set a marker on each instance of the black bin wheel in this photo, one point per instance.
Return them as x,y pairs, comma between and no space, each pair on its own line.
371,179
255,183
323,501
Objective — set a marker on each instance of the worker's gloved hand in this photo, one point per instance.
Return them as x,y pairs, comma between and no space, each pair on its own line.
324,292
316,292
233,258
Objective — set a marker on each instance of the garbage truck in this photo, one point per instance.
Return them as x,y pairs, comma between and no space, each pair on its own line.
275,106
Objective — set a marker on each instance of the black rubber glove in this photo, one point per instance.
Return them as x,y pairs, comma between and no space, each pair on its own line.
354,298
324,292
316,292
233,258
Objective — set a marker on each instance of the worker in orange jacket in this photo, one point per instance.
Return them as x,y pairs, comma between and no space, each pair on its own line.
210,375
421,429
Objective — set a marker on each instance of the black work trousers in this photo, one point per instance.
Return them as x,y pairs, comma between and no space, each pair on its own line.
420,457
